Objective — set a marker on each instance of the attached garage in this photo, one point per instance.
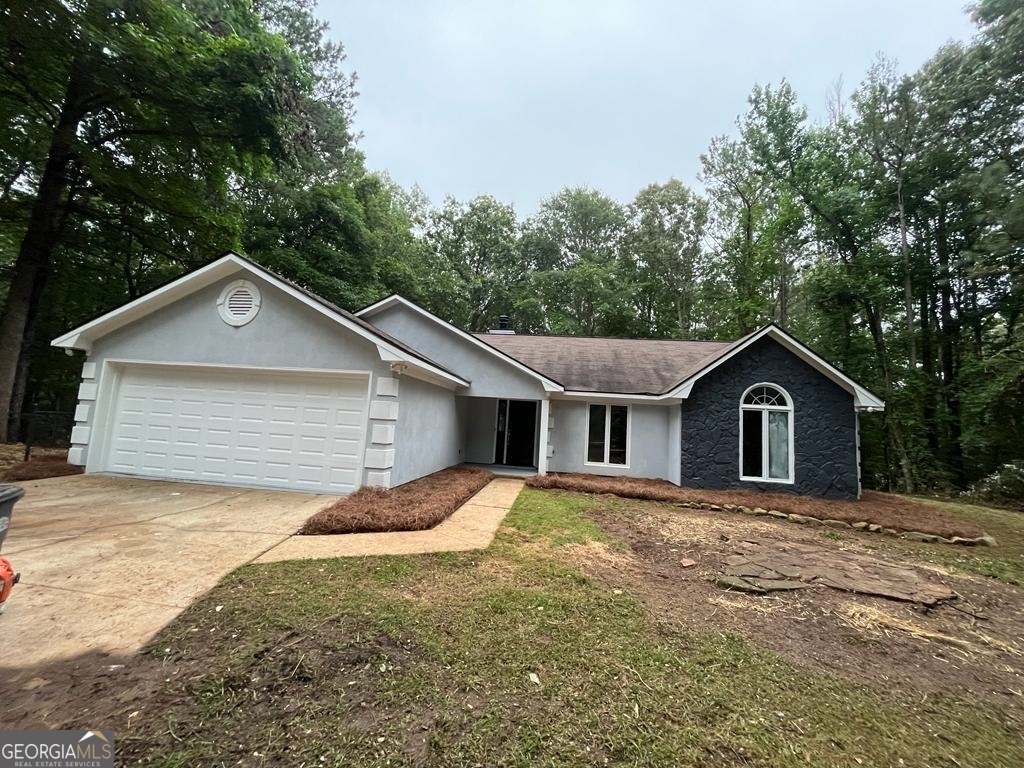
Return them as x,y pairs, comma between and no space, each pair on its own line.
252,427
231,375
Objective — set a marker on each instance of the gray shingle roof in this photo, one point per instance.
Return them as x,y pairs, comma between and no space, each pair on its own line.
624,366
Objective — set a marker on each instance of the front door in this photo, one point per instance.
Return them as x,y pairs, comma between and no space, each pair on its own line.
516,433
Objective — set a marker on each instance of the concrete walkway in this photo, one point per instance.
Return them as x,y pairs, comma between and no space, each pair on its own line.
471,526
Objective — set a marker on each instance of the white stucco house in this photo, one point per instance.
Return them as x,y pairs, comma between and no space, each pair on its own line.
231,374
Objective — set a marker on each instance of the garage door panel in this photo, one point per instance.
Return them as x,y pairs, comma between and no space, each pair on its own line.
269,428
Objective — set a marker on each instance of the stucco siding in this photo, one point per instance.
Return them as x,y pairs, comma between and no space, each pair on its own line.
428,435
824,425
648,441
488,374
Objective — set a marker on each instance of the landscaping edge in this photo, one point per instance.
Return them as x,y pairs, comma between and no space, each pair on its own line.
927,538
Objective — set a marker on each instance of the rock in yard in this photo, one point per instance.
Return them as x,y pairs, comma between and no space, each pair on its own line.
927,538
741,585
777,585
687,562
790,566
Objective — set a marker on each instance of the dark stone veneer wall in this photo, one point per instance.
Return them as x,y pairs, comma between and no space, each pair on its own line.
824,425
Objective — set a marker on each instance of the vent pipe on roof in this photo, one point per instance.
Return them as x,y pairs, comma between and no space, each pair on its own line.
503,326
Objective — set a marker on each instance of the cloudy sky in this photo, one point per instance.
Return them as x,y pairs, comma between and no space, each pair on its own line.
519,98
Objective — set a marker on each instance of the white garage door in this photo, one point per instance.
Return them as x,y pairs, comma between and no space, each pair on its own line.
257,428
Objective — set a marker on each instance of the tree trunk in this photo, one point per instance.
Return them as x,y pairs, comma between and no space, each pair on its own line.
928,408
908,288
31,269
949,333
784,294
892,428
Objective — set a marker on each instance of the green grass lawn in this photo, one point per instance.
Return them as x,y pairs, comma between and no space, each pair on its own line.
1004,562
510,657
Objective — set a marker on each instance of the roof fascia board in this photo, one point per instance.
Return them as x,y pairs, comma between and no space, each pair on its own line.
387,351
230,263
549,384
83,336
863,400
617,396
416,371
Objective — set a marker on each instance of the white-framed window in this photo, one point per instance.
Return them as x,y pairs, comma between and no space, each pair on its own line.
607,434
766,434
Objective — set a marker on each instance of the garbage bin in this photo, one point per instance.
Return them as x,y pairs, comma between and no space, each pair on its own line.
8,495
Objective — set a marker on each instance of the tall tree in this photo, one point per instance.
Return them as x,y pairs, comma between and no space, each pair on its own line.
665,242
125,106
574,243
474,246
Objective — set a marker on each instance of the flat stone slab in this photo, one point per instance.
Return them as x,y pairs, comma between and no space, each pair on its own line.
770,566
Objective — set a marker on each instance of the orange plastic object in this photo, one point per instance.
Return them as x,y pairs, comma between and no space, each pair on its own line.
8,578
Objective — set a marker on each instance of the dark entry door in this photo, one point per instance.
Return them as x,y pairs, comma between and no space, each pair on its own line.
516,433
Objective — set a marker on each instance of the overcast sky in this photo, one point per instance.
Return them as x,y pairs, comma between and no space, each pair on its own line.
519,99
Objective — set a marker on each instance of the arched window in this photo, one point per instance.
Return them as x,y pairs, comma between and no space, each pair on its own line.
766,434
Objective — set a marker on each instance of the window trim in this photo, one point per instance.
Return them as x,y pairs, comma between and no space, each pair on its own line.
765,410
607,434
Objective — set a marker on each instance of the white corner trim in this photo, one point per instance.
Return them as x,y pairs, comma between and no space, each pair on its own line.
80,435
549,384
378,479
76,455
380,458
544,445
675,448
88,370
387,386
384,410
382,434
82,411
87,390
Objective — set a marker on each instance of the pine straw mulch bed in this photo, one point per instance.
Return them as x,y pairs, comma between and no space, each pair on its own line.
414,506
879,511
42,463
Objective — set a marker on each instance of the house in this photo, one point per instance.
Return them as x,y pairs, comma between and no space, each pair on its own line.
233,375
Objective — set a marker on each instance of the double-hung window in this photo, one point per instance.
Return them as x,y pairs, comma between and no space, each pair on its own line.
766,435
607,434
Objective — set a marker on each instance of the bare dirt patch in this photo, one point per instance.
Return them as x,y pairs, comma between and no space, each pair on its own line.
206,696
972,641
43,462
883,509
414,506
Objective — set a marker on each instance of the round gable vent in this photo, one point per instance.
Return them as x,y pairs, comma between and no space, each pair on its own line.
239,302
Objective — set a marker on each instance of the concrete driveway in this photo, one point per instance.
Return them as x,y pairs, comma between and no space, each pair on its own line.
106,561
